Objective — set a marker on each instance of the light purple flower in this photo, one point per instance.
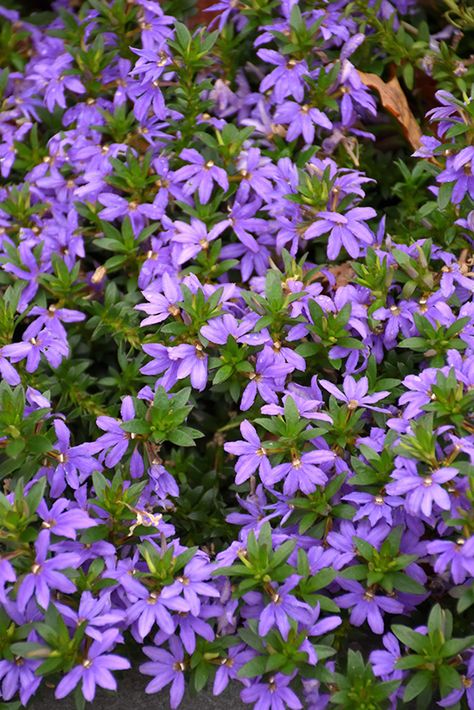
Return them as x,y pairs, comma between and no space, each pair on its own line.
301,120
95,669
345,230
194,237
274,695
45,574
282,607
303,473
200,175
166,667
366,605
355,393
252,455
422,491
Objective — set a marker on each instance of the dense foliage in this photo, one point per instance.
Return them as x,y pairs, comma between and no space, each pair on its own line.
237,350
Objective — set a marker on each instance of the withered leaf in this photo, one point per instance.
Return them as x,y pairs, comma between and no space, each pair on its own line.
395,102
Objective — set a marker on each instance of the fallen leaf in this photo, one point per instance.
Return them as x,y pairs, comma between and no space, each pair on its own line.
202,17
343,273
395,102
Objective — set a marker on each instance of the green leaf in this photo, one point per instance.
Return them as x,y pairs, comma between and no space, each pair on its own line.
412,639
135,426
253,668
455,646
39,444
416,685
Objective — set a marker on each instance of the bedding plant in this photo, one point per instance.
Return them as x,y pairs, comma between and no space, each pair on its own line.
237,351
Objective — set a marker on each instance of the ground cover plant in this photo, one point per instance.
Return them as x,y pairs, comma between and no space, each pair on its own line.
237,350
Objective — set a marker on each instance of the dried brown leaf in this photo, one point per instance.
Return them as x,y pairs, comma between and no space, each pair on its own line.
395,102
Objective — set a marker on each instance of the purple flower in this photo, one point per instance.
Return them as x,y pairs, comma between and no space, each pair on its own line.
287,77
29,271
55,79
267,378
97,613
189,626
354,94
163,481
229,667
422,491
46,574
161,302
191,360
192,583
252,455
61,521
166,667
346,230
274,695
94,669
244,223
153,608
366,605
374,507
282,607
458,555
396,318
8,372
459,170
301,120
256,172
51,318
302,473
116,206
466,690
194,237
75,463
219,329
320,627
7,574
419,393
355,393
200,175
383,662
116,441
45,343
19,676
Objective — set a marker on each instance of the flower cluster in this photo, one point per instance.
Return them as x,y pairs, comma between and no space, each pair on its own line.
237,351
